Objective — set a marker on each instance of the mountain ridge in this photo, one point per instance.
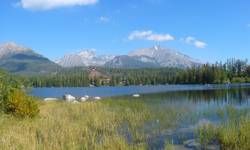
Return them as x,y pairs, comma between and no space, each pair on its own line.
19,59
147,57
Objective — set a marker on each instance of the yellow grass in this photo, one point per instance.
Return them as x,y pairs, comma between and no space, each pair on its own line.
69,126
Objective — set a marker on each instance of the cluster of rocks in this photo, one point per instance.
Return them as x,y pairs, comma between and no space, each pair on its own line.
72,99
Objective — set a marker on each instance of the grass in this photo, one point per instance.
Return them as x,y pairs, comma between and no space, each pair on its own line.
113,125
234,133
61,125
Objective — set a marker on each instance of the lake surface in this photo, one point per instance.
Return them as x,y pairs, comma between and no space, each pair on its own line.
192,106
192,109
125,90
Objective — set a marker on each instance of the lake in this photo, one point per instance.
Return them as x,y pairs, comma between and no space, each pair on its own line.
189,105
125,90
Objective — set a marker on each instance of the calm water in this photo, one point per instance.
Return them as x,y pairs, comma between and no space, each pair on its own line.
194,104
124,90
194,108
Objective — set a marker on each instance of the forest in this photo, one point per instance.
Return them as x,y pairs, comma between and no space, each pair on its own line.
232,71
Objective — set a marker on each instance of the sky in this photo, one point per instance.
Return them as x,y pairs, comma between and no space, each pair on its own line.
208,30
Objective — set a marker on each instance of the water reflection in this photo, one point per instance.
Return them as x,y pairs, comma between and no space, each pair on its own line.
236,97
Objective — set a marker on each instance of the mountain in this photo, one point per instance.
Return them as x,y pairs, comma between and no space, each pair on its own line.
20,59
166,57
84,58
125,61
142,58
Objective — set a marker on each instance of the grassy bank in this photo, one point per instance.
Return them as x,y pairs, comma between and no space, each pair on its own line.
109,124
68,126
92,125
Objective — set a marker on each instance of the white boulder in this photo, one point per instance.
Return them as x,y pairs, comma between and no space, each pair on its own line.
136,95
97,98
69,98
50,99
86,96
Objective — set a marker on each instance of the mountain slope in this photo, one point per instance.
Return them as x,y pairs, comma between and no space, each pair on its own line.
142,58
166,57
19,59
131,62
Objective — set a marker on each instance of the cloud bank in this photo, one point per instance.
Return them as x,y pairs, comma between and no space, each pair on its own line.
150,36
197,43
51,4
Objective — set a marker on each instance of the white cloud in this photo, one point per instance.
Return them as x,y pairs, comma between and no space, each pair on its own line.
193,41
150,36
50,4
104,19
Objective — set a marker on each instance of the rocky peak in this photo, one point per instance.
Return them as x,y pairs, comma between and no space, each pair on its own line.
87,53
12,48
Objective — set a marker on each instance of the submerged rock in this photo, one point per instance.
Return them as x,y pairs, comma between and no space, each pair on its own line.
192,144
136,95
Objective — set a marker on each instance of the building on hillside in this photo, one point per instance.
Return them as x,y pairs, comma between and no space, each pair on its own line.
102,78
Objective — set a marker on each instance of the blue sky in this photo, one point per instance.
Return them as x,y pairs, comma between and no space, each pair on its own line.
208,30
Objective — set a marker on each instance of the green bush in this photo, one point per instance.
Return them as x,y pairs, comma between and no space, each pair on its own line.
20,104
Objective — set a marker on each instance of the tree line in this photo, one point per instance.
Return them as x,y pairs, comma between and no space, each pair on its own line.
233,70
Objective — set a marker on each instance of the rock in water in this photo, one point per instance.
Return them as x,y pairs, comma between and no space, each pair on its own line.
192,144
50,99
69,98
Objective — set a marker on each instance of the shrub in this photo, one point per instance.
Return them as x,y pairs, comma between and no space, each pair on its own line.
20,104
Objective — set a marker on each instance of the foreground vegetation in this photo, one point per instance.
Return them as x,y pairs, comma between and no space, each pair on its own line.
66,126
120,124
233,134
27,123
13,99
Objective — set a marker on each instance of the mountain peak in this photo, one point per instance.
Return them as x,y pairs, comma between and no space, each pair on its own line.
157,47
12,48
84,58
20,59
89,53
165,57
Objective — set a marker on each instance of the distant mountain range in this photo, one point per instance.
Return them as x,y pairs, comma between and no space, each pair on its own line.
142,58
84,58
20,59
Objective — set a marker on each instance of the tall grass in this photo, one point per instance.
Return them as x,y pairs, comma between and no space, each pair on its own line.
232,134
113,125
72,126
